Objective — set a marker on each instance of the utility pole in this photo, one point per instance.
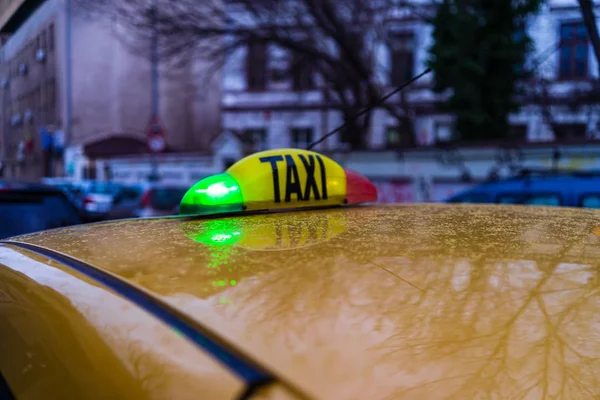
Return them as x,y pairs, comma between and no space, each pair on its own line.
68,74
5,119
5,104
154,59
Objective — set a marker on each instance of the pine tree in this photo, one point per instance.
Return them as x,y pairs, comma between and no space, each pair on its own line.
479,52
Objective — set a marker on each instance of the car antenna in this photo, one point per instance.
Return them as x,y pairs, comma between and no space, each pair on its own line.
366,110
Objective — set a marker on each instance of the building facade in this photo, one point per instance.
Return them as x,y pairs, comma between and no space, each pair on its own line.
278,111
94,90
274,110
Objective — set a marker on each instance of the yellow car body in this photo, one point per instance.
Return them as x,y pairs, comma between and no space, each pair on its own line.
367,302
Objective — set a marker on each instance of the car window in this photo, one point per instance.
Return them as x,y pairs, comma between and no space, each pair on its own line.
510,199
590,201
23,212
105,189
167,198
543,200
470,198
534,200
131,193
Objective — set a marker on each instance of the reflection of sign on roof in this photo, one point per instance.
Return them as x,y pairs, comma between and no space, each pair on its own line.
269,232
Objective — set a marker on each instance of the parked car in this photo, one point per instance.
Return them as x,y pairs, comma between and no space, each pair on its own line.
160,200
98,200
152,200
538,187
74,193
126,203
26,208
73,190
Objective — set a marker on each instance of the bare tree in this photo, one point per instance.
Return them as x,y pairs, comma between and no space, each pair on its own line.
340,43
589,19
537,90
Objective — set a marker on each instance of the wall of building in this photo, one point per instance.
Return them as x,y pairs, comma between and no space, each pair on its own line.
29,97
277,108
182,169
112,83
112,86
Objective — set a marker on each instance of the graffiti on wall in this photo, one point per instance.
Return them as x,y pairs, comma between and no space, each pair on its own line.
441,191
573,163
395,192
410,192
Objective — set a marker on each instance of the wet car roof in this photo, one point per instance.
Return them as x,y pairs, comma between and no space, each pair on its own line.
413,301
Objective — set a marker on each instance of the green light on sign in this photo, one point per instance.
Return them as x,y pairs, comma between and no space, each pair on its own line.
215,194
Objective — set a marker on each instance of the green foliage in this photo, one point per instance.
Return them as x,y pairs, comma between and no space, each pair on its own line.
479,50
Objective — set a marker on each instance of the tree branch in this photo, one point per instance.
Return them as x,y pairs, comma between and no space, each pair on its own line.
589,19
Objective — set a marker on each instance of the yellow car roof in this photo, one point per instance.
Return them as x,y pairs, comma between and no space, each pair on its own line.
402,302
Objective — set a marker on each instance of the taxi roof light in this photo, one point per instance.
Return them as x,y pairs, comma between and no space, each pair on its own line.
278,179
218,190
215,194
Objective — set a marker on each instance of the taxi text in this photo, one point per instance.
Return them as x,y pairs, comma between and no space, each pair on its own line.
293,186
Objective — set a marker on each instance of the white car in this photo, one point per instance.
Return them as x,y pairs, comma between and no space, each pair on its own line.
149,200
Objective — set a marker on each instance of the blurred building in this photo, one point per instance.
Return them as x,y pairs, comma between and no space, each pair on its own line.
272,108
91,88
275,109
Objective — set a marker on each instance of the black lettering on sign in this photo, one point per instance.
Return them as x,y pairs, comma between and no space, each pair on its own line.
323,177
311,184
293,186
273,160
292,180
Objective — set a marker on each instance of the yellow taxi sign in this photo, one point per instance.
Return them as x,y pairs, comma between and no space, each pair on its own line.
276,179
279,178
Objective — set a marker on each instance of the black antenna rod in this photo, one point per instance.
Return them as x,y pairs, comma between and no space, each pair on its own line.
366,110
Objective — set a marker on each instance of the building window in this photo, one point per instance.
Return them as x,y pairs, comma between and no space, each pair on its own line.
37,99
444,132
40,101
277,63
255,140
397,136
519,37
32,47
301,137
573,51
256,65
51,37
570,131
43,41
392,136
517,132
302,73
402,58
51,100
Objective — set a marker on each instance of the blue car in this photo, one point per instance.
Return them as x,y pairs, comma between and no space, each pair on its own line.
568,189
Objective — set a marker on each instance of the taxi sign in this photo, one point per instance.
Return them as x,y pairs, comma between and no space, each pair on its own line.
278,179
